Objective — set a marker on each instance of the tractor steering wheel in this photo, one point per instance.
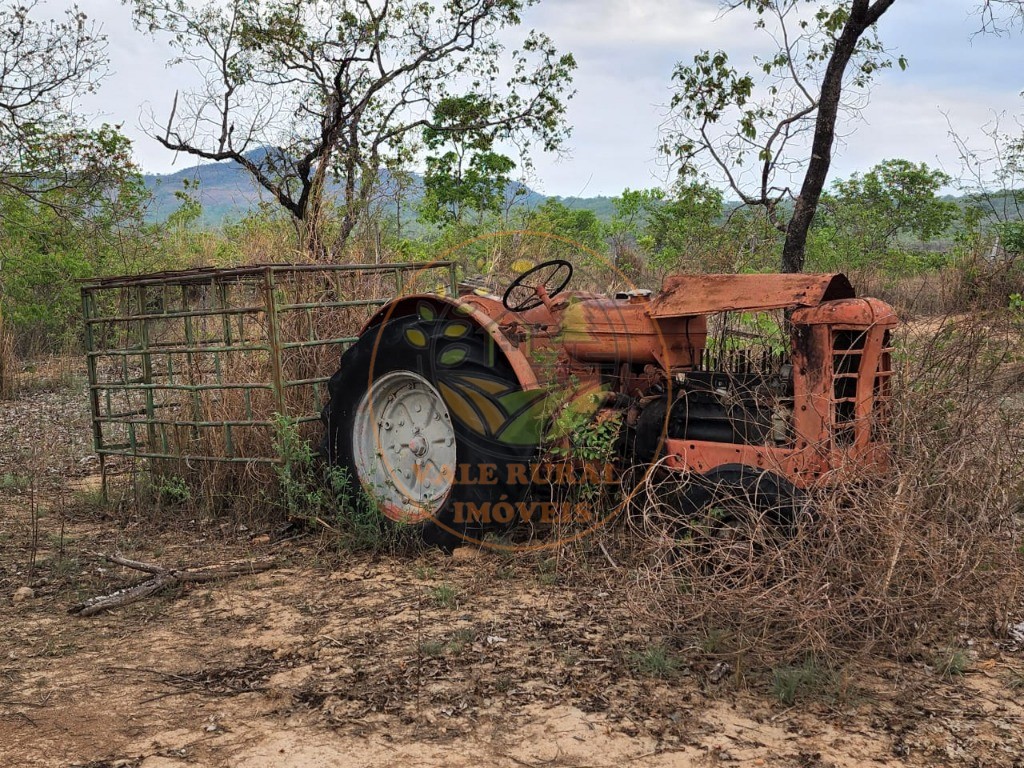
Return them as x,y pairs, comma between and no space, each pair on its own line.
523,295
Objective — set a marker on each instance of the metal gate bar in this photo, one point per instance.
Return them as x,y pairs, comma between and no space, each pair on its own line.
200,365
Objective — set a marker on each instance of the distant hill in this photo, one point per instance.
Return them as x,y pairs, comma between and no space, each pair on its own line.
227,192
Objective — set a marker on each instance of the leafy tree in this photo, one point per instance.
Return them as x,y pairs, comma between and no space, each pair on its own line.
50,240
684,229
631,215
304,93
897,197
574,226
45,145
469,175
749,134
60,179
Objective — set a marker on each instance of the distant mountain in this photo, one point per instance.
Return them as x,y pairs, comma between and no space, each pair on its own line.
227,192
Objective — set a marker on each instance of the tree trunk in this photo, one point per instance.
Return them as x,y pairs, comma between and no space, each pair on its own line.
862,16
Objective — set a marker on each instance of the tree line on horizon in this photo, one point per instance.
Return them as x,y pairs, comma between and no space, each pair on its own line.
340,94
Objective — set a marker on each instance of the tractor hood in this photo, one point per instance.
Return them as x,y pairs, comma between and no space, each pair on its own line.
705,294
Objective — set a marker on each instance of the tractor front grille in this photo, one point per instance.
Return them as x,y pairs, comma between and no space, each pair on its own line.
847,355
847,369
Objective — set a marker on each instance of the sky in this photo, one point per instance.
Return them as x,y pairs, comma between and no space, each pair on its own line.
626,51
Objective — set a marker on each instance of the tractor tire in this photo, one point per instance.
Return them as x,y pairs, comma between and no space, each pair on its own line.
741,488
415,419
733,515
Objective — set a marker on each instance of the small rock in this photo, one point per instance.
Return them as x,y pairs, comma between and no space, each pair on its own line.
720,670
23,593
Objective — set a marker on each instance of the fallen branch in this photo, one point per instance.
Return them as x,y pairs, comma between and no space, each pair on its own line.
164,577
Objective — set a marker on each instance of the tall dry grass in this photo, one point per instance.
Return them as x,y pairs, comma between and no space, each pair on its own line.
883,566
974,281
190,427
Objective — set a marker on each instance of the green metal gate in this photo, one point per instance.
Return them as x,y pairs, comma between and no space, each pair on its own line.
198,366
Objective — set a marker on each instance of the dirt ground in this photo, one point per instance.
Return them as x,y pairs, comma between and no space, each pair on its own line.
333,659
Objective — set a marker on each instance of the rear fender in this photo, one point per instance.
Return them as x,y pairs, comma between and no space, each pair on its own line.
441,306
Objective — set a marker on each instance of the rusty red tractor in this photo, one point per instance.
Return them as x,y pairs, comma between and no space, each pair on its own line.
449,404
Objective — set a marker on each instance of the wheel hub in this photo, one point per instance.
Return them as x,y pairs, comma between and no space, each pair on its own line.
404,445
418,445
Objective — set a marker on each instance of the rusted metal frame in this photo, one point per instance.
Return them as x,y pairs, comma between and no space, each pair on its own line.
389,267
203,274
872,355
190,458
186,387
197,407
94,395
183,422
319,343
175,315
147,367
274,340
306,382
148,385
334,304
182,350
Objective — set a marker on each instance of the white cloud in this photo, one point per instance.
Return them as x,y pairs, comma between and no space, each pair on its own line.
626,51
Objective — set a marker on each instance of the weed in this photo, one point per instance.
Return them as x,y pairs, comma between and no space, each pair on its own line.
952,662
548,571
929,539
1015,680
12,482
462,638
431,648
425,572
715,641
173,490
323,496
65,567
791,682
654,661
444,596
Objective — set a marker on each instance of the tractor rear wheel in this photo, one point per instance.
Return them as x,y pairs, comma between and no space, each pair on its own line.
415,418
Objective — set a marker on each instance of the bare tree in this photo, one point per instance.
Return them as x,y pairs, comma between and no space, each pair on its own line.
999,16
49,156
752,134
304,93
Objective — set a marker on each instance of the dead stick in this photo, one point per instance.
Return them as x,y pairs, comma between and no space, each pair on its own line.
164,577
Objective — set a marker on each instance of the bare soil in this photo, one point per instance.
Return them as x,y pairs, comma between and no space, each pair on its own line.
415,660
